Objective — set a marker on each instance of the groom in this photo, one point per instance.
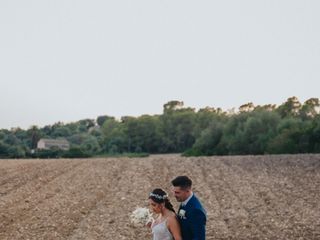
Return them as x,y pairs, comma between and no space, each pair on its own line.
191,215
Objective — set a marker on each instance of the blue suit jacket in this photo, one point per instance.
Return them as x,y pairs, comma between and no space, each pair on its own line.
192,219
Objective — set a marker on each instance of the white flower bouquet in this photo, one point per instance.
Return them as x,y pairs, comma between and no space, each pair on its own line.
141,217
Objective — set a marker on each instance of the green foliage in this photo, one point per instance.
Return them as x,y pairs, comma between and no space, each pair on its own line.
90,146
287,138
177,127
101,119
290,108
4,150
309,108
85,124
16,152
142,133
291,127
48,153
207,143
34,136
75,152
193,152
258,129
61,131
114,138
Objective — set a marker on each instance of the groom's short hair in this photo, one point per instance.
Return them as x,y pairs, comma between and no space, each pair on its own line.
182,181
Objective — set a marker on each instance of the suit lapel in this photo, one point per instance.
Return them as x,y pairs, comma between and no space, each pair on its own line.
190,202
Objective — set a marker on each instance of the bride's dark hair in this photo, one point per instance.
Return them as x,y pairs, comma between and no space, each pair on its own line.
160,196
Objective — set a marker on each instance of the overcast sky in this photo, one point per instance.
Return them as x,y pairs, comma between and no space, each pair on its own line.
68,60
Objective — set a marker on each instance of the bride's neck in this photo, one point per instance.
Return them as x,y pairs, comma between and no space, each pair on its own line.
164,212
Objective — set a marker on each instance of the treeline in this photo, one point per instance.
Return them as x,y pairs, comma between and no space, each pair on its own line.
292,127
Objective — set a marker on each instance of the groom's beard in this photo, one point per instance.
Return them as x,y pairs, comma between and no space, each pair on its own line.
179,199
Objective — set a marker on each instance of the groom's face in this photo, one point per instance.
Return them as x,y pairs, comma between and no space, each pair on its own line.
181,194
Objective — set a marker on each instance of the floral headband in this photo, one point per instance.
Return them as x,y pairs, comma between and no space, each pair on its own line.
158,196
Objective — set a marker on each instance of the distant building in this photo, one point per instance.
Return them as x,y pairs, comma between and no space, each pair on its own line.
45,143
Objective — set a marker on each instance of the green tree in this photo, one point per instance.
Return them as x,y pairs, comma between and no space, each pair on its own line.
143,133
114,137
248,107
90,145
61,132
209,139
314,134
16,152
310,108
4,150
34,135
102,119
177,127
172,106
287,138
205,117
290,108
85,124
259,128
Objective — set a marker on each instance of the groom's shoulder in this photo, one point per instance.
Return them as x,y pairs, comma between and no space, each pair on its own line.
196,200
197,212
197,203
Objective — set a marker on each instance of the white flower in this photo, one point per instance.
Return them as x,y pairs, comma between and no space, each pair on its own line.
182,213
140,217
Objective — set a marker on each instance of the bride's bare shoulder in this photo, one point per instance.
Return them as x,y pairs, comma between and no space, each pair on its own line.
172,217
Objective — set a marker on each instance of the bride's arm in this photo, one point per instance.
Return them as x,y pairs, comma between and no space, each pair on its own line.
174,228
149,223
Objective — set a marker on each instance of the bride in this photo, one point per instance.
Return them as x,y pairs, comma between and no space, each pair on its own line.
165,226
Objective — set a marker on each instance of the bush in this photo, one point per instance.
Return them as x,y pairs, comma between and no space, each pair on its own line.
75,152
193,152
48,153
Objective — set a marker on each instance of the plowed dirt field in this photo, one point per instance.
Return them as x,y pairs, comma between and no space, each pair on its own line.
246,197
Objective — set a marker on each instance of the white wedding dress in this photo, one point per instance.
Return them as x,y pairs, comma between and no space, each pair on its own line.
160,231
